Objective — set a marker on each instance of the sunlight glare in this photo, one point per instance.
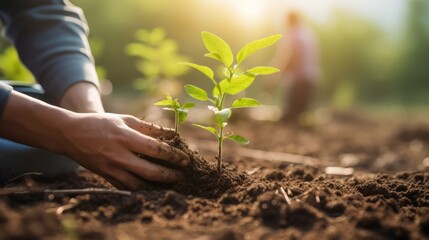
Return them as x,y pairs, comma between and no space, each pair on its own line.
249,10
245,10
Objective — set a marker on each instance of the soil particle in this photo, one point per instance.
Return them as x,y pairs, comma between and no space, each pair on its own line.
302,174
174,204
397,232
255,189
147,217
301,216
269,208
373,189
34,222
176,200
226,234
335,208
275,176
424,225
409,133
368,221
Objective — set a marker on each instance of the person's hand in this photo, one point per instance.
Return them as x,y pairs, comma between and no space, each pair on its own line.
107,145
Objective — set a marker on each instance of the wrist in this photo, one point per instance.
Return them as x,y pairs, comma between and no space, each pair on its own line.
35,123
82,97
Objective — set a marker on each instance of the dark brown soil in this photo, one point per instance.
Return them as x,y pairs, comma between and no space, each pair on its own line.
386,198
202,179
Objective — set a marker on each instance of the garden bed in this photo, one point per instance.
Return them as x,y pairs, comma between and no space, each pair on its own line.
279,187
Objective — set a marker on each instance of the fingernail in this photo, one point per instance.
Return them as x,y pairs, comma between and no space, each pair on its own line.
185,161
180,158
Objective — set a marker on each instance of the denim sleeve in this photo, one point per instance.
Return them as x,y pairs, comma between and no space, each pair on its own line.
51,39
5,91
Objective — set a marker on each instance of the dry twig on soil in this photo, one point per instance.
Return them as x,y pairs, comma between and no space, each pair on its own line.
254,170
266,155
285,196
69,191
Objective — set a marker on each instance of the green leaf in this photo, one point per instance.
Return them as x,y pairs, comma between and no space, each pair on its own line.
175,104
157,35
165,102
236,85
237,138
216,45
205,70
263,70
140,50
188,105
245,102
222,116
196,92
255,46
182,115
215,91
215,56
210,129
226,72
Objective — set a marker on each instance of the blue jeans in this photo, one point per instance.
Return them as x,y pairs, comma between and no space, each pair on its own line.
17,159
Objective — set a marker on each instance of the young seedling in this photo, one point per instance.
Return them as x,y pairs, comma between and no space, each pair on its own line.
180,112
157,57
234,82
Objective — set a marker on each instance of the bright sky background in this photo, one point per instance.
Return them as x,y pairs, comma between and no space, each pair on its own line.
388,14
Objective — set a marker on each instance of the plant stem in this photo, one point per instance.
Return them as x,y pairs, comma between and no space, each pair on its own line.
219,105
220,136
176,122
220,141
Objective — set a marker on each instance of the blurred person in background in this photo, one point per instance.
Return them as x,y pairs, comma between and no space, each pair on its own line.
54,139
297,57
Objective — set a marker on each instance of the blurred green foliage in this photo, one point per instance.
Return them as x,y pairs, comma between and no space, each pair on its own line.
411,71
349,49
11,67
97,48
362,64
158,58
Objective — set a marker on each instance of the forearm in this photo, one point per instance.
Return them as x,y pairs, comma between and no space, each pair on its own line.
82,97
51,39
35,123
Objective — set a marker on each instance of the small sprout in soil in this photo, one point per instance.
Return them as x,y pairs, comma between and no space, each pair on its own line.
233,82
180,112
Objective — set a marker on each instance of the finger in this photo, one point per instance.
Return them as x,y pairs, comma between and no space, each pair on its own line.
131,181
151,171
156,149
106,173
147,128
117,184
125,180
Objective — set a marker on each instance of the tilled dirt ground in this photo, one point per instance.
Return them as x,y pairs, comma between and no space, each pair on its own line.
259,195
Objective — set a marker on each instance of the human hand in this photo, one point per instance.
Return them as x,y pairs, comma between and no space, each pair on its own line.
107,144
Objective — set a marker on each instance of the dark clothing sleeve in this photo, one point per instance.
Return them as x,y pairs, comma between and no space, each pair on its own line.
51,39
5,91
